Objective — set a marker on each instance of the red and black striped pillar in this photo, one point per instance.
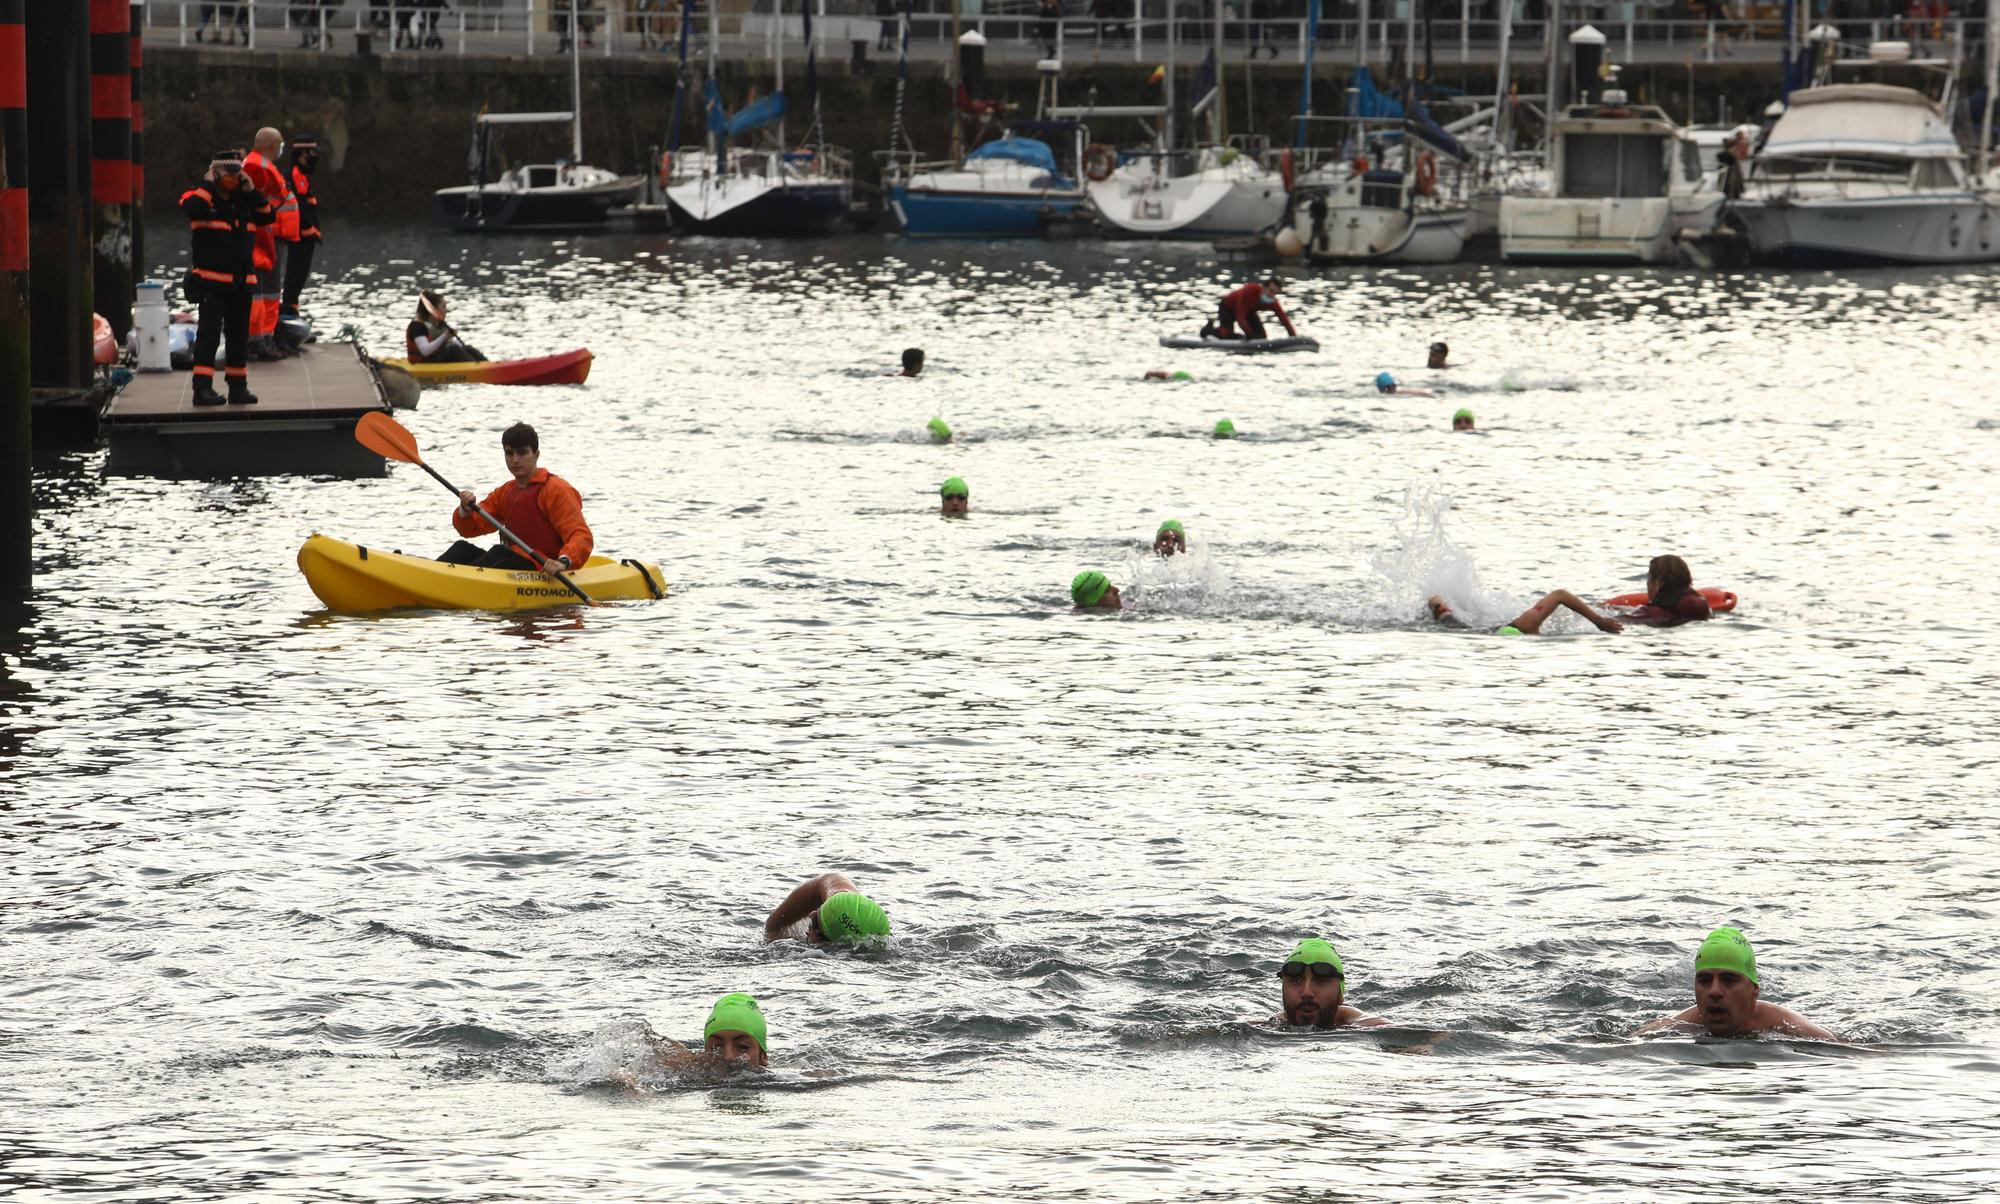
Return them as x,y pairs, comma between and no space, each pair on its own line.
59,204
111,160
17,496
139,265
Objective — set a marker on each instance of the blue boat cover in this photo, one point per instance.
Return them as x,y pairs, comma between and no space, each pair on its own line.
756,116
1021,150
1370,101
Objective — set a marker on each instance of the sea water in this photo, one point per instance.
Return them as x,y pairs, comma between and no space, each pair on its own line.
388,907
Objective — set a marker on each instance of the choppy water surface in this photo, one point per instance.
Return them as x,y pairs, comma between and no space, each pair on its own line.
373,908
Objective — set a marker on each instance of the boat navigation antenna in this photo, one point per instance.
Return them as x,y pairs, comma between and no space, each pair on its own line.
1306,84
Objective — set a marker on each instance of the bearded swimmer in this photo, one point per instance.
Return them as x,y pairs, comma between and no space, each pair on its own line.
1312,988
827,910
1170,538
1725,996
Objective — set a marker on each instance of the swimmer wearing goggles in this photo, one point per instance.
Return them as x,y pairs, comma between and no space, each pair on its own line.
1312,986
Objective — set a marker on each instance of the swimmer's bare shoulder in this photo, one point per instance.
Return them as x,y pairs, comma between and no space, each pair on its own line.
1768,1018
1348,1017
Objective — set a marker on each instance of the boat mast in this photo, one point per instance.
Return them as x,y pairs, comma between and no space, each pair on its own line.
716,149
1168,6
1221,125
1501,109
575,90
778,61
1992,86
1554,103
1306,84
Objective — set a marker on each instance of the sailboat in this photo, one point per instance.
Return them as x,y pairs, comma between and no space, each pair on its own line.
1215,190
759,192
534,196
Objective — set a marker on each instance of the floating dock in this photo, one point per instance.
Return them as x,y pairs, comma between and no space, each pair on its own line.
303,421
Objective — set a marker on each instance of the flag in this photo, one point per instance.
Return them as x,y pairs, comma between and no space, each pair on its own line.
1159,73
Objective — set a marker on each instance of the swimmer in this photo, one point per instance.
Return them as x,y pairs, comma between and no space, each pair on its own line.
913,362
1530,621
831,910
1312,988
1385,383
1462,420
734,1037
1170,538
1092,590
1225,429
939,429
1671,598
954,499
1163,374
1439,353
1725,995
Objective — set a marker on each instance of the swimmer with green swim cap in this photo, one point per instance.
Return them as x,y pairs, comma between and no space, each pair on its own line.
827,910
953,497
1462,420
1225,429
1170,538
734,1037
1312,985
1092,590
940,430
1726,990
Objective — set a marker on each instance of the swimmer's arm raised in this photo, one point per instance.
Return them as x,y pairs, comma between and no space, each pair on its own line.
802,902
672,1054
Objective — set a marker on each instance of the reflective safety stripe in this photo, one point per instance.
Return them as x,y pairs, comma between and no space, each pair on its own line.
223,277
204,370
203,193
211,225
239,373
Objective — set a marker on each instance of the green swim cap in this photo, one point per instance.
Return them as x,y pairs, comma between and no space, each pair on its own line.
1181,376
954,487
1172,524
848,916
939,429
736,1013
1313,951
1225,429
1727,949
1087,587
1462,413
1509,629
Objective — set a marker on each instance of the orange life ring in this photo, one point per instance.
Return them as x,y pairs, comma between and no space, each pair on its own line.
103,347
666,166
1099,161
1721,601
1360,165
1285,167
1427,174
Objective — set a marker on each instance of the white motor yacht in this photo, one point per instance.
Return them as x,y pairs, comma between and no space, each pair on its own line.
1625,182
1389,196
1868,173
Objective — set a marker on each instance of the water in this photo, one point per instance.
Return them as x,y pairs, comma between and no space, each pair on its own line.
376,908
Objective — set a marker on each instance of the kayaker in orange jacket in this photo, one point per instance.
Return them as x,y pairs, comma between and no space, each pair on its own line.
538,506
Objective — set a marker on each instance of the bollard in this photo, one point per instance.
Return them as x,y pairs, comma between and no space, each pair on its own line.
17,494
59,204
111,161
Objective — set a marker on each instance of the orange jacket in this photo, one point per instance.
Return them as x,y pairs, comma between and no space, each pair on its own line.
271,182
562,509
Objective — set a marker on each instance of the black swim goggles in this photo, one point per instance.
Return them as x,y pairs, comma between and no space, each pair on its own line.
1294,971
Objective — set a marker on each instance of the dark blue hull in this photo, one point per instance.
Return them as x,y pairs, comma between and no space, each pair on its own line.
779,213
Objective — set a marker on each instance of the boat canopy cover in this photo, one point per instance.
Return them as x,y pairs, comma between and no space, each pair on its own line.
1861,119
758,115
1370,101
1021,150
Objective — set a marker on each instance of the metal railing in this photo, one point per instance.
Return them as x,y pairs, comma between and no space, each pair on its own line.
639,27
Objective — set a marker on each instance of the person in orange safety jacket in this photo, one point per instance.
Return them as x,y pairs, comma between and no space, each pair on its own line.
299,255
224,212
538,506
261,165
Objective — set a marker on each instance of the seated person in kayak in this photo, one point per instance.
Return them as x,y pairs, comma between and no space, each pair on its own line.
538,506
1529,621
1239,308
1671,598
430,340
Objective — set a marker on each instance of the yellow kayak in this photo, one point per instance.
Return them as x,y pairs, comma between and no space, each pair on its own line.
351,578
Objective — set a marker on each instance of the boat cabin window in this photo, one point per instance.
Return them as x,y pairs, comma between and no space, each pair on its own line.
542,177
1382,189
1691,164
1935,173
1614,165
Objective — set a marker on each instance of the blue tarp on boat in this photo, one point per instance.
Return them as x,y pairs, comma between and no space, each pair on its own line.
756,116
1370,101
1021,150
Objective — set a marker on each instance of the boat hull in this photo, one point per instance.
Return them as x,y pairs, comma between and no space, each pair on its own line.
1861,233
353,579
1368,235
751,207
476,210
1150,206
1599,229
946,213
565,368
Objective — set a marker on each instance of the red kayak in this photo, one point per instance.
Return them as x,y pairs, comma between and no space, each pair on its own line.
568,368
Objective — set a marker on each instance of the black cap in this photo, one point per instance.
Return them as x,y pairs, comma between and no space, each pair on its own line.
225,153
301,141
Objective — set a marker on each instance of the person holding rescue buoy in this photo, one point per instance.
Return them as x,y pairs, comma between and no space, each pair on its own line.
1239,308
540,508
1671,598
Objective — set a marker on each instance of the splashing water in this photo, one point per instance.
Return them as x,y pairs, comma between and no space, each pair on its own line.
1424,560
